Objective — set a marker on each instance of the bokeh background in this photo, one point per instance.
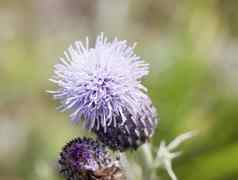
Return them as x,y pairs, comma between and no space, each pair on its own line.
192,46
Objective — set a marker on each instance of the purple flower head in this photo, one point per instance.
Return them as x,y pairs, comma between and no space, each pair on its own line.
86,159
102,85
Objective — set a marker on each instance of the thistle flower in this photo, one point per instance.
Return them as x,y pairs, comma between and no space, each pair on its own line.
87,159
102,85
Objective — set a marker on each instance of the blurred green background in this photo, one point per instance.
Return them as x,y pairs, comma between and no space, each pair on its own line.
192,46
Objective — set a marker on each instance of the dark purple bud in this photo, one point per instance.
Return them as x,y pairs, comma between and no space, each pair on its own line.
87,159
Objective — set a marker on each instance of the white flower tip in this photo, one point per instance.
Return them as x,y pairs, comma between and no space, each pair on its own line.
50,92
134,45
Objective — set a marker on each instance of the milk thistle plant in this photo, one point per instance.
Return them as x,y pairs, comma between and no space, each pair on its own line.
101,85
